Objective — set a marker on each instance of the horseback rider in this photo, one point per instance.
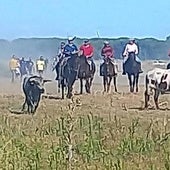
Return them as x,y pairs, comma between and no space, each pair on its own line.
108,53
87,51
70,49
60,56
131,47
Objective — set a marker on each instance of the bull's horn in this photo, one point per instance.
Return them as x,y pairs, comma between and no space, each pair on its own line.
47,80
33,77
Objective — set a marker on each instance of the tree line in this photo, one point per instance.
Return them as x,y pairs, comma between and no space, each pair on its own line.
149,48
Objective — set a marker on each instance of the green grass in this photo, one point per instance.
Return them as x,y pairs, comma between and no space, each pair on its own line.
63,135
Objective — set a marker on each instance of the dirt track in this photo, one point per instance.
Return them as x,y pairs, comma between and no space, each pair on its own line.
14,88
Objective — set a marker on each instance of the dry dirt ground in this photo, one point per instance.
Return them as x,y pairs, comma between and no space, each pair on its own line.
121,102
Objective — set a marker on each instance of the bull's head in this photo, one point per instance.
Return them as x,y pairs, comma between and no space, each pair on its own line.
38,82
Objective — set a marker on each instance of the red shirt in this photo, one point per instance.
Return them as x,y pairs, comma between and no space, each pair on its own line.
107,51
87,50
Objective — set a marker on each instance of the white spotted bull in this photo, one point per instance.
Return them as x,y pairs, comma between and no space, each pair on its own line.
157,82
32,88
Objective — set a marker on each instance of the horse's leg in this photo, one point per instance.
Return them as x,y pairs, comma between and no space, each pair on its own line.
104,83
147,98
130,82
91,80
87,85
156,96
115,83
59,84
70,83
81,86
109,79
62,89
137,80
133,82
69,93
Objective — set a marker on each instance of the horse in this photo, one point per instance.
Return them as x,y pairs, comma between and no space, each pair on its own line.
132,68
86,72
69,72
56,67
107,70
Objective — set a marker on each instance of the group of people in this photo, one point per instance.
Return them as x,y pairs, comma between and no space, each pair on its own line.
21,66
87,50
67,50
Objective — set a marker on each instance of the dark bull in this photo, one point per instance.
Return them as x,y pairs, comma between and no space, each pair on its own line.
32,88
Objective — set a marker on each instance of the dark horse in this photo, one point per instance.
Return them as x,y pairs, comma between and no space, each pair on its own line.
86,72
132,68
107,70
69,71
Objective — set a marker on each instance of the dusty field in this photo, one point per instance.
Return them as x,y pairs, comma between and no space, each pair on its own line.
106,131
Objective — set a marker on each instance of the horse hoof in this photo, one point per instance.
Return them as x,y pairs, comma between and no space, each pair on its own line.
131,90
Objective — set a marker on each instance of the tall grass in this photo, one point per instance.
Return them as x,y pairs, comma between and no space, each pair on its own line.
84,142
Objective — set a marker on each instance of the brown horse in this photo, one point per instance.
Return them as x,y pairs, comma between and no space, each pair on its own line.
107,70
86,72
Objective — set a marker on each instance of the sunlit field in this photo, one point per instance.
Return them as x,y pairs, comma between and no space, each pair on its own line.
96,131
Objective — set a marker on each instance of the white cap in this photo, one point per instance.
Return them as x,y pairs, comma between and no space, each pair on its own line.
71,38
106,42
131,39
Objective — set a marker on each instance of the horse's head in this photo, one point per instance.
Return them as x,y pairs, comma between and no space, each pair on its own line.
106,61
132,56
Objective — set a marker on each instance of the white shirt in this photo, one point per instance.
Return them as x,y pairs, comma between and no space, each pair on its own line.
131,48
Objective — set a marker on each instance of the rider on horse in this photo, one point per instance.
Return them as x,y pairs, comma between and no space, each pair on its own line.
69,51
108,53
87,51
60,56
131,47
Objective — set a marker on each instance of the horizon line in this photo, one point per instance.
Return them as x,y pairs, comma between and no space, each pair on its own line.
80,37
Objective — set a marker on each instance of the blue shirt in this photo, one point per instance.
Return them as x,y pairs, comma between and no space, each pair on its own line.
69,48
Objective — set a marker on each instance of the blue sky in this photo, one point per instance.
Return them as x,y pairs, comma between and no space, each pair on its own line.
83,18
